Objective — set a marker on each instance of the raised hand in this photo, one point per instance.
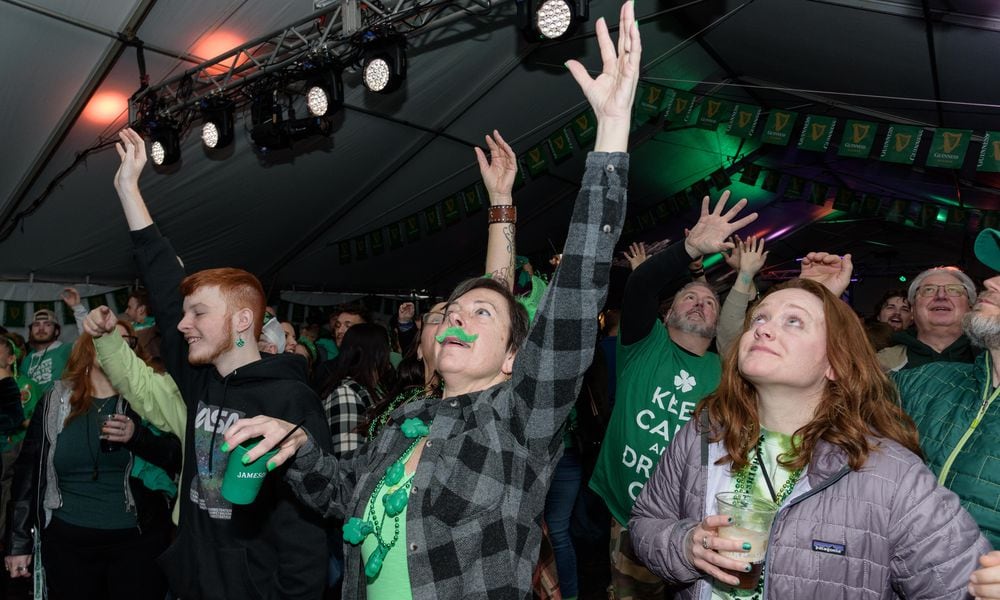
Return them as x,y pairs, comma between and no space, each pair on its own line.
132,151
712,229
70,296
636,254
752,255
498,171
612,92
406,312
100,321
732,257
833,271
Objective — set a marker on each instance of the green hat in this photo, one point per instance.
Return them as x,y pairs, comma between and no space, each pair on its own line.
987,248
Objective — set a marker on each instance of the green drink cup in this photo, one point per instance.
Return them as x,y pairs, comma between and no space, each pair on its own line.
242,482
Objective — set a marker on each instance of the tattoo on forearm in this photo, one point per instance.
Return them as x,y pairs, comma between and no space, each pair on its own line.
508,234
745,279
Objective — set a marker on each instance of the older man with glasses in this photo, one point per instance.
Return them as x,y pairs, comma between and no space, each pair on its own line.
940,297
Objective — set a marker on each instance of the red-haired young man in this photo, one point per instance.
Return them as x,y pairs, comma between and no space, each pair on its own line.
210,323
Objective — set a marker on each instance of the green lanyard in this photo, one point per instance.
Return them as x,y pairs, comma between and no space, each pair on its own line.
987,400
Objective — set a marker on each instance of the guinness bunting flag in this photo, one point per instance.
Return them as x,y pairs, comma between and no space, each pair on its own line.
395,237
375,241
743,120
535,161
559,146
449,208
816,133
13,314
948,148
901,144
779,127
360,249
433,218
411,225
714,112
584,128
682,107
858,138
989,155
344,249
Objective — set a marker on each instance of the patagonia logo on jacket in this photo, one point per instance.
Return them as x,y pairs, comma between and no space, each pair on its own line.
829,547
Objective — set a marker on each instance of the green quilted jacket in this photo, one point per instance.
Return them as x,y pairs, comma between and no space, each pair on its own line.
943,399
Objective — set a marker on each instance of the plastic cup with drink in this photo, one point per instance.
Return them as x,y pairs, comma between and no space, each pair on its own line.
752,518
242,482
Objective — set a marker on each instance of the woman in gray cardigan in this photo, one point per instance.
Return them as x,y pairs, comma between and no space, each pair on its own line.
807,421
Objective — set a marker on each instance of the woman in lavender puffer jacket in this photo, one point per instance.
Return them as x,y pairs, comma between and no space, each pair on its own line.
805,420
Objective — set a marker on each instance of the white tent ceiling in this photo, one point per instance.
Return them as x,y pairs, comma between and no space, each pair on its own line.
908,61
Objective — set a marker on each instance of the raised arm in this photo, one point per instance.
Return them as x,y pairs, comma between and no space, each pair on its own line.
159,266
751,258
547,371
153,397
499,171
831,270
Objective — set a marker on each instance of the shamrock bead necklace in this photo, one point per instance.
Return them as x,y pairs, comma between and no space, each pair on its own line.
394,503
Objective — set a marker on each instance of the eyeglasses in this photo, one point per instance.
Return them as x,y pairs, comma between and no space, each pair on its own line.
432,318
131,340
951,289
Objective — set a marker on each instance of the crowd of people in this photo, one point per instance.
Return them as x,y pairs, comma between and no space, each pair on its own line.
520,439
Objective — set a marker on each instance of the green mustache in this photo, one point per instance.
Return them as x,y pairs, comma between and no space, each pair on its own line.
456,332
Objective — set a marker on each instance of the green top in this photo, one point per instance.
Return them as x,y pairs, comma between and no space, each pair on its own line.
153,396
98,503
145,324
658,386
46,366
774,445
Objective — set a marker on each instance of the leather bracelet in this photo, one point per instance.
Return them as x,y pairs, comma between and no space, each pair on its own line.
503,213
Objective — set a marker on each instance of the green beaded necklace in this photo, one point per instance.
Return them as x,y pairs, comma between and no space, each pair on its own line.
745,483
357,529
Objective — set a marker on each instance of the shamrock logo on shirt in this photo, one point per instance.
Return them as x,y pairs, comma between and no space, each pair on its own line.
684,382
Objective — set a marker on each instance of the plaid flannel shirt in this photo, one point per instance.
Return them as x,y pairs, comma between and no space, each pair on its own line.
344,408
473,520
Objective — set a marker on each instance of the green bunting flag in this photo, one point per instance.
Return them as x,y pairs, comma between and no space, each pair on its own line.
750,174
901,144
771,181
13,314
818,194
584,128
871,206
394,236
344,249
796,185
375,241
411,226
779,127
646,220
93,302
433,218
844,200
360,249
449,208
44,305
299,313
471,198
120,297
559,145
816,133
535,161
948,148
714,112
681,202
989,155
743,120
68,318
682,108
651,101
662,211
858,138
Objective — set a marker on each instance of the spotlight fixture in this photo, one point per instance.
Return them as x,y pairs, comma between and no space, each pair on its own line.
165,136
274,125
324,88
383,62
542,20
217,123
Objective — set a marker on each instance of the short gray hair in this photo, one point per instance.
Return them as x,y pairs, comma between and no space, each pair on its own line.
965,280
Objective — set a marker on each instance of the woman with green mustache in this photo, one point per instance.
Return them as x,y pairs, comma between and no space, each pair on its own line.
446,501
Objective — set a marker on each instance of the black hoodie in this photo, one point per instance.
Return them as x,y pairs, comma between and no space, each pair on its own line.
273,548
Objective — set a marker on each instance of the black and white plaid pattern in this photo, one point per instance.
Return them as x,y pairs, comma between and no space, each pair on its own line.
473,521
345,408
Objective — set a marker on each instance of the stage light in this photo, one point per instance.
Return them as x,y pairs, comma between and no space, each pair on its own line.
274,125
324,88
384,62
165,148
550,19
217,123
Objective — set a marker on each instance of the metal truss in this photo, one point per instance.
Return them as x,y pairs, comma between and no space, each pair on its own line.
335,32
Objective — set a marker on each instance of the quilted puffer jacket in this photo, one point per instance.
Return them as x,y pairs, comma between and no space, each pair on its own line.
885,531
